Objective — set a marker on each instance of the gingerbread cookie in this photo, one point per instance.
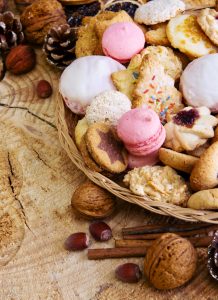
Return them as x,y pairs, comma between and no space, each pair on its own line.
207,19
158,11
156,89
179,161
207,199
204,173
158,183
105,148
158,35
185,34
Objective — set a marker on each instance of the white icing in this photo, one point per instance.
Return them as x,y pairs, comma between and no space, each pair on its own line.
199,82
85,78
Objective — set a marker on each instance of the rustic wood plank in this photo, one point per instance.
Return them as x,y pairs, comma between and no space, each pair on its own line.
41,268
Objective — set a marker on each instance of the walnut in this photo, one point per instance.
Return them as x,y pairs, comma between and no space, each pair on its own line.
39,17
170,262
92,201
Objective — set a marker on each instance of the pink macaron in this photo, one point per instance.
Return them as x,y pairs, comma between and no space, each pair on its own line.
143,134
121,41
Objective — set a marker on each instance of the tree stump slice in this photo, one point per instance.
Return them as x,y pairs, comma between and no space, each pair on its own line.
37,181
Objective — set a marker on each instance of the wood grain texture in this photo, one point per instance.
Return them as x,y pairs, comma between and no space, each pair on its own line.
45,181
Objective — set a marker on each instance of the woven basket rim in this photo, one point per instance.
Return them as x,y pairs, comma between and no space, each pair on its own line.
166,209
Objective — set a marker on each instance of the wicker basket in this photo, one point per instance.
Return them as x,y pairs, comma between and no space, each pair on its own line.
66,122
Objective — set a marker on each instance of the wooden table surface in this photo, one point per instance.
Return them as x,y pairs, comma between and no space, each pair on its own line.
40,182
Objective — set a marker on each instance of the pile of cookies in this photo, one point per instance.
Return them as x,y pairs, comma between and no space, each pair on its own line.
145,88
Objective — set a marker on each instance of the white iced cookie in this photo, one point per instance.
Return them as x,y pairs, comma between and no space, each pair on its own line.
199,80
85,78
108,107
189,129
158,11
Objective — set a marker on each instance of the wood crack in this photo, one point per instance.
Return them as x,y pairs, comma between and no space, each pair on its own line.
42,160
15,195
30,112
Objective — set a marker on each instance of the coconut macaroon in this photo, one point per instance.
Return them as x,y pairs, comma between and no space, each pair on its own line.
107,107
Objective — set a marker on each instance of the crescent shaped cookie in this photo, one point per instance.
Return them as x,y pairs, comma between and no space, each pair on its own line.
204,173
207,199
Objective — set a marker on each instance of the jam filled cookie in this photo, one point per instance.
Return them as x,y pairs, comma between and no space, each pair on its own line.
189,129
105,148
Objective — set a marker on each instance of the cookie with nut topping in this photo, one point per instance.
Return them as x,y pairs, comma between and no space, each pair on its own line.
158,183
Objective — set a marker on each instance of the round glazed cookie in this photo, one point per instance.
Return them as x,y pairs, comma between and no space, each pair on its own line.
199,82
122,41
85,78
179,161
104,147
204,173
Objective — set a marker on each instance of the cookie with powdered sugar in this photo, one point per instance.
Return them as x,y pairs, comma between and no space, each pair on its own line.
158,11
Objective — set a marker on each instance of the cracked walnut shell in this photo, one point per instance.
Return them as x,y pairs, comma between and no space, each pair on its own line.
92,201
170,262
39,17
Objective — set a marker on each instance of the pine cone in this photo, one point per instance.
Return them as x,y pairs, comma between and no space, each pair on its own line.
59,45
11,33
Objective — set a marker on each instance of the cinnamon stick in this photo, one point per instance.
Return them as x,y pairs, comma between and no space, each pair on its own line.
95,254
162,228
153,236
196,241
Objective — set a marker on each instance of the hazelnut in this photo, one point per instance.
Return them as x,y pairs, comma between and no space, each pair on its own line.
43,89
170,261
100,231
77,241
128,272
21,59
92,201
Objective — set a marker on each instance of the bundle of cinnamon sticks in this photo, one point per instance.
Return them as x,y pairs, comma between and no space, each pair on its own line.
137,239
